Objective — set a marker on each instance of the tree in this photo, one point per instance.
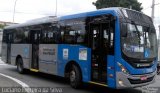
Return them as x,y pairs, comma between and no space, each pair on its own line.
1,26
134,4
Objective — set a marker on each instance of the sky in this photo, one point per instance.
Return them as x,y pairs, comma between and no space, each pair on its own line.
30,9
146,4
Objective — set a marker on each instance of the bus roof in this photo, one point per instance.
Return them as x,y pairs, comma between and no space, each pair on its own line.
53,19
49,19
92,13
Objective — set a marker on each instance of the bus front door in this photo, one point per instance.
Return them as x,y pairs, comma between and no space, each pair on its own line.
99,45
35,39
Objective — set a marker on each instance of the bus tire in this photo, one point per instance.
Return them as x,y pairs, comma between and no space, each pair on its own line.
20,67
75,77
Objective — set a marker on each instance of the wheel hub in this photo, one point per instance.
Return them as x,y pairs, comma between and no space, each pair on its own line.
72,75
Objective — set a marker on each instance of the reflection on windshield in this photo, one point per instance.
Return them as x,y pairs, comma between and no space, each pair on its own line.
140,42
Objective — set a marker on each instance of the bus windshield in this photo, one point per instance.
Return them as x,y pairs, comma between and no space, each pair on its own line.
140,42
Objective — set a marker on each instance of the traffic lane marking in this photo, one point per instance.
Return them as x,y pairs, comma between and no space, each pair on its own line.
24,85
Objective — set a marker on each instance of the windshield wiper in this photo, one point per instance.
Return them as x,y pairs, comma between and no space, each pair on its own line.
138,32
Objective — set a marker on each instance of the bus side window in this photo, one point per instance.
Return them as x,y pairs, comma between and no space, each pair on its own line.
56,34
73,31
50,37
35,37
81,36
19,35
44,35
10,36
74,36
62,36
68,35
53,34
4,39
26,36
50,34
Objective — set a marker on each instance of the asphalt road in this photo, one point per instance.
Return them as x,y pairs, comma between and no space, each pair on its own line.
57,84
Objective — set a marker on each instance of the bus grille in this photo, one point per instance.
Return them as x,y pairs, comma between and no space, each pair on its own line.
139,81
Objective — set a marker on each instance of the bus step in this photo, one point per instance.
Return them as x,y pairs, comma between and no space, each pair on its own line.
99,83
34,70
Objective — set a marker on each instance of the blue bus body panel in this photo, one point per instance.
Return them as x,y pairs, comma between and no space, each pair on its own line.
93,13
74,53
111,63
112,60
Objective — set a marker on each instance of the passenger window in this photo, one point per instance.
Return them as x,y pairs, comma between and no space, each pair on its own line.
74,35
73,31
50,34
69,35
81,36
19,35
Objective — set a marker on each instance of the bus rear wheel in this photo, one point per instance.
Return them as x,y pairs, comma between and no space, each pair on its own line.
75,77
20,68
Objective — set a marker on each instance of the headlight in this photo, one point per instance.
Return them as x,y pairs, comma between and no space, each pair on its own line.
121,82
123,69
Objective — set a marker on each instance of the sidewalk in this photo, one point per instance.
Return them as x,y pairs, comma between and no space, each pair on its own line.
1,62
157,82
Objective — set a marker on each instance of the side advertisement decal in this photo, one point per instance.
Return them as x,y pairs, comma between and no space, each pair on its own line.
82,54
65,53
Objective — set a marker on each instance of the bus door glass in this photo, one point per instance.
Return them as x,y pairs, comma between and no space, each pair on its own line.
35,39
102,44
98,52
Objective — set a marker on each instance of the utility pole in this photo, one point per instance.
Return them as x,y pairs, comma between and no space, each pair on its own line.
159,28
56,9
159,36
153,7
158,65
14,9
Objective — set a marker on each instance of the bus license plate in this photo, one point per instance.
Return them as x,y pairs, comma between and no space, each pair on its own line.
143,78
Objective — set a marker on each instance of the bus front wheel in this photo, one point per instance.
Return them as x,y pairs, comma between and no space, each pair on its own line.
75,77
20,68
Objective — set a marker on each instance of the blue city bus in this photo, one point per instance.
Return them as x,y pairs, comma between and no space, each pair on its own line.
113,47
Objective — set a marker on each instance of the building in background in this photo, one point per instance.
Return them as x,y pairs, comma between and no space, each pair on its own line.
6,23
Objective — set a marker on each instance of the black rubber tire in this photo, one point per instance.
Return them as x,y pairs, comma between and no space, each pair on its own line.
20,67
158,70
75,77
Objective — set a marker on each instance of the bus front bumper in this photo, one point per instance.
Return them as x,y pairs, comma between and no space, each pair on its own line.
129,81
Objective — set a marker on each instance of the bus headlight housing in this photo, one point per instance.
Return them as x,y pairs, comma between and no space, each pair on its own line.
123,69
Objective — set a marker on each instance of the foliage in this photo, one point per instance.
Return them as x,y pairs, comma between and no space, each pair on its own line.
134,4
1,26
